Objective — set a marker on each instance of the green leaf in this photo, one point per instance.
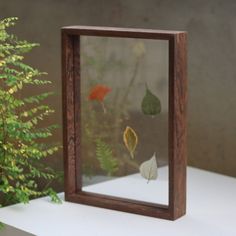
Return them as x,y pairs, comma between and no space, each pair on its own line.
104,155
37,98
54,196
1,226
151,104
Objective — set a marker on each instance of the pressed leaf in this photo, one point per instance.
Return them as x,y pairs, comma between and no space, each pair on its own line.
148,169
139,49
99,92
151,104
105,157
131,140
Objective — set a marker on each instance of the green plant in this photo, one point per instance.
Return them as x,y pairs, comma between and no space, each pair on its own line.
22,139
105,157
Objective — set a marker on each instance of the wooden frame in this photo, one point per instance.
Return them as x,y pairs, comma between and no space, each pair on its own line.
177,121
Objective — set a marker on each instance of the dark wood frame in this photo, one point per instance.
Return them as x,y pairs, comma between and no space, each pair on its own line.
177,121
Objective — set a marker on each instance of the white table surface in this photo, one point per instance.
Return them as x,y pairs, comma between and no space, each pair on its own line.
135,187
211,211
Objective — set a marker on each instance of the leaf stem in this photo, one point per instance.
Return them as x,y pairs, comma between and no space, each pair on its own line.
131,82
131,163
103,107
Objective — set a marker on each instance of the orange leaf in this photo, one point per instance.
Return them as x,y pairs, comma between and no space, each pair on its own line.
99,92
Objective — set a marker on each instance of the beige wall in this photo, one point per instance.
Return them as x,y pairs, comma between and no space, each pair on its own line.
212,57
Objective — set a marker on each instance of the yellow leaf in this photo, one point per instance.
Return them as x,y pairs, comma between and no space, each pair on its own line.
139,49
21,177
2,63
131,140
25,114
11,91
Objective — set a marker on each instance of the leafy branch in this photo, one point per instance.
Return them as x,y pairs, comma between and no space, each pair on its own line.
104,155
22,144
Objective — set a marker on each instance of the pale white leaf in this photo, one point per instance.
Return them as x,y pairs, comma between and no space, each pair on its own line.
148,169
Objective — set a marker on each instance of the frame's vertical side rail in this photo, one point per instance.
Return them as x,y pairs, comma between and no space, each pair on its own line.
68,115
171,123
77,110
178,152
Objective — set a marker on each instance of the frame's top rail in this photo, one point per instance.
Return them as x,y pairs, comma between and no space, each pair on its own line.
121,32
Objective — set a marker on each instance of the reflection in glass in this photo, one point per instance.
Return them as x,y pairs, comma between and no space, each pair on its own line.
124,117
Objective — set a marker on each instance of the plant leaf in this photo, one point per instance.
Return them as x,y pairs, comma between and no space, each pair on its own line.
151,104
1,226
148,169
131,140
99,92
106,160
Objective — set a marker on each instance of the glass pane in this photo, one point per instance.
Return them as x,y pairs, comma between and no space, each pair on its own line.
124,117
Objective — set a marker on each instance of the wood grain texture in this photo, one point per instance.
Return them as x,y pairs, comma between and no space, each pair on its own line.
177,125
121,204
177,121
120,32
69,102
77,105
